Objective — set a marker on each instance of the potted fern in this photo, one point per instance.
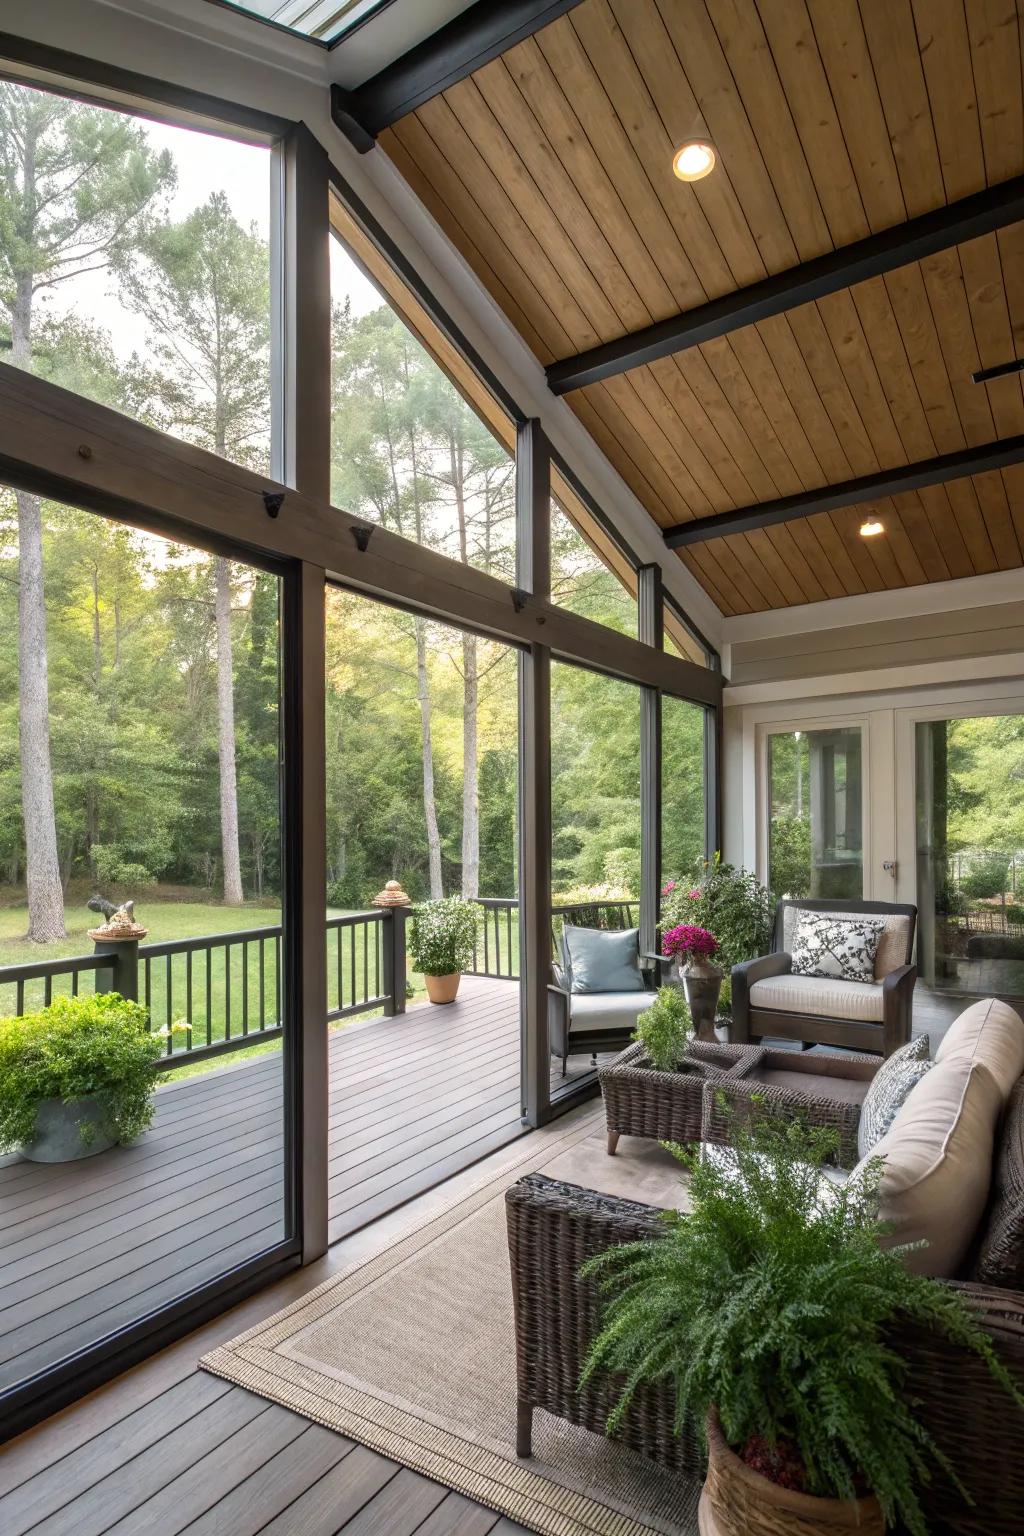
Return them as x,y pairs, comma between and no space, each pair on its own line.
442,935
769,1308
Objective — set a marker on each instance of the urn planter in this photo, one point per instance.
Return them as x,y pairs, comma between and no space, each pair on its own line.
702,983
58,1137
443,989
737,1501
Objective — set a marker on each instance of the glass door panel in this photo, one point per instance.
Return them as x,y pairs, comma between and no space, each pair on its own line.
815,831
969,814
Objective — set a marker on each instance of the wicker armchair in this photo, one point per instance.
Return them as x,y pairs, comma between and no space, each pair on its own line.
554,1227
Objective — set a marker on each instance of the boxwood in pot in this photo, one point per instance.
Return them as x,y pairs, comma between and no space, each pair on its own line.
441,939
76,1077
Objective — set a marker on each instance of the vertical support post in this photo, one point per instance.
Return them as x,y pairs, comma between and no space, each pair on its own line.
394,960
533,574
305,905
651,631
301,315
123,973
301,458
713,759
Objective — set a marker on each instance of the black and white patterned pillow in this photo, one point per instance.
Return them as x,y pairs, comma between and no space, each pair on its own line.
891,1084
839,947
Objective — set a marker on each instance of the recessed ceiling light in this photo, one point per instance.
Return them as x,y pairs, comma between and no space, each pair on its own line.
694,159
871,528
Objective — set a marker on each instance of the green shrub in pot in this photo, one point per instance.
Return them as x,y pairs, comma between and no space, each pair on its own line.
771,1309
92,1055
665,1029
442,935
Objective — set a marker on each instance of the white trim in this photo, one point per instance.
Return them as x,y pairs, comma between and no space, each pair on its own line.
208,48
905,602
925,674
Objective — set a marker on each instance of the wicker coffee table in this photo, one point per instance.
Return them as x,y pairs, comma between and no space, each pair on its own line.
669,1106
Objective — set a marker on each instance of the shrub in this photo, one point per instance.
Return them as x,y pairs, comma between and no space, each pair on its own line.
75,1048
986,878
771,1300
114,868
442,935
731,903
664,1029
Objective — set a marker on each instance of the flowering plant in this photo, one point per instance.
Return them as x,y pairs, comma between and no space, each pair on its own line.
688,942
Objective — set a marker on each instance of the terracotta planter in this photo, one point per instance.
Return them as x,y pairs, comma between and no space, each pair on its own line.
443,989
737,1501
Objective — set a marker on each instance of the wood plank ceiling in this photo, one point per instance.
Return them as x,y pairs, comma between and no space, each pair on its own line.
550,170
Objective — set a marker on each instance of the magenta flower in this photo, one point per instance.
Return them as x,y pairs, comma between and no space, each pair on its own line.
668,887
695,893
688,942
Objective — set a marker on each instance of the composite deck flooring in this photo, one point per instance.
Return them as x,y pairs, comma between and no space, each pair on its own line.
86,1247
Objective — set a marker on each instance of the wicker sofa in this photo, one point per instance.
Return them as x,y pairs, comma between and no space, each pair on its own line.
554,1227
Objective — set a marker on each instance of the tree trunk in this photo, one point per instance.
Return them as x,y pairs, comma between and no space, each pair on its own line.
470,805
42,864
226,738
429,803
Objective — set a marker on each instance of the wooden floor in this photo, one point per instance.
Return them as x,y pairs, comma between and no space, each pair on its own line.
86,1247
166,1448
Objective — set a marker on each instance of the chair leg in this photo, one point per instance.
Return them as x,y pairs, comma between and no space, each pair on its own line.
613,1141
565,1061
524,1428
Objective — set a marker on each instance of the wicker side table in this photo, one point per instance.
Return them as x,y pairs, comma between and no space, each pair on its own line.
668,1106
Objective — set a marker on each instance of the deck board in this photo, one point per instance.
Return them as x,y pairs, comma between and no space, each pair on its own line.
86,1247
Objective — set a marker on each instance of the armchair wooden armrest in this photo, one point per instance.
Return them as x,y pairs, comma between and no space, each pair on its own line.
743,977
897,1007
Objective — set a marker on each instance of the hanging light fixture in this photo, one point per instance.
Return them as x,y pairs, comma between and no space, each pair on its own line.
694,159
872,528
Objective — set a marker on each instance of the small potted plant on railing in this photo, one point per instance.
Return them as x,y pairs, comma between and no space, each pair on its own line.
692,948
772,1310
442,935
75,1078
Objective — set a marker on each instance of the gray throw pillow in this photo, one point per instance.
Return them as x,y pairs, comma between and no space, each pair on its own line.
890,1086
838,947
599,960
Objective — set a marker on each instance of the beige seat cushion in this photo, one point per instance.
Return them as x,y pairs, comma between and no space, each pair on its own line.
938,1165
822,995
991,1033
892,944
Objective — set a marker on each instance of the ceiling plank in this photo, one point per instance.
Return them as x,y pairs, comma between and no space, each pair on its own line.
978,214
850,493
449,55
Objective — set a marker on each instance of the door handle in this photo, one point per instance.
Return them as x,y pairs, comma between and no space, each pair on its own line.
889,865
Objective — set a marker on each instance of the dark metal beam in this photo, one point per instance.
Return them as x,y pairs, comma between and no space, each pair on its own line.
850,493
651,631
466,43
979,214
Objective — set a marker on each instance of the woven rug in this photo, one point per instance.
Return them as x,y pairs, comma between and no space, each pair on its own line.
412,1353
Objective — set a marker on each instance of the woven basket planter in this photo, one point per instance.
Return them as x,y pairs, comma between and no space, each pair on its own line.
669,1106
737,1501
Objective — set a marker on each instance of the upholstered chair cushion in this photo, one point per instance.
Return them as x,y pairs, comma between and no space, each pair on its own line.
890,1086
839,946
607,1010
989,1031
938,1165
819,996
602,960
1000,1257
892,944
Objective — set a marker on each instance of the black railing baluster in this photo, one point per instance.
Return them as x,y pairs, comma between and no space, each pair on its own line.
366,961
245,986
263,984
169,1002
188,991
339,970
209,994
148,972
352,963
227,990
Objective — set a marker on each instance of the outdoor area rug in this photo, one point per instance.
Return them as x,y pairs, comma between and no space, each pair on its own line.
412,1353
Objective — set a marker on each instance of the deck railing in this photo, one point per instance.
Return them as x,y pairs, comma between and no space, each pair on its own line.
228,986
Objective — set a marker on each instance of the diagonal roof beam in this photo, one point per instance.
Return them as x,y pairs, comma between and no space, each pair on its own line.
979,214
849,493
466,43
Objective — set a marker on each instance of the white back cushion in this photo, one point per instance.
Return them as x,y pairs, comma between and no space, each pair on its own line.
991,1033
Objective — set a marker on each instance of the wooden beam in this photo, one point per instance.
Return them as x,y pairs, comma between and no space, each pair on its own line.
466,43
850,493
979,214
57,444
